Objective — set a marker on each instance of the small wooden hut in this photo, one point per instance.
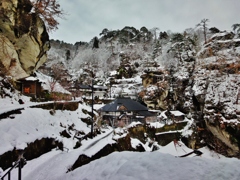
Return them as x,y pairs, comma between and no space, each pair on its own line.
30,86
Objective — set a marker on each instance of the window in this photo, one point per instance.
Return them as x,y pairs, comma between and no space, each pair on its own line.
27,90
122,108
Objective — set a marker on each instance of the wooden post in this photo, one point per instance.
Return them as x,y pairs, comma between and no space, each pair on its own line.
20,169
92,113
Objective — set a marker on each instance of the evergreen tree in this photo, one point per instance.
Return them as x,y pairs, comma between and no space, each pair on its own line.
214,30
95,42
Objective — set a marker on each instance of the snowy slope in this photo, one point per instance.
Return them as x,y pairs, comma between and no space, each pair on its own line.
36,123
131,166
155,165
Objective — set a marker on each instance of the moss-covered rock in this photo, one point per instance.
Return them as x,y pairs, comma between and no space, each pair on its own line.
138,132
172,127
164,139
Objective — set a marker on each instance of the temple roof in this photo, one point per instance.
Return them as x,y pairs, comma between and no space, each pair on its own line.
124,104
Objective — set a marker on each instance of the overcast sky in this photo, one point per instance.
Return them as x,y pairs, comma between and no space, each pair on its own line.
85,19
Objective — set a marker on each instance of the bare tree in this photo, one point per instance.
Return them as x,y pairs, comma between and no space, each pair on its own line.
154,32
49,11
55,76
203,24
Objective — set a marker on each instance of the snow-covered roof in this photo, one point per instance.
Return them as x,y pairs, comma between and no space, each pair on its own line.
31,78
177,113
100,87
128,103
47,83
112,73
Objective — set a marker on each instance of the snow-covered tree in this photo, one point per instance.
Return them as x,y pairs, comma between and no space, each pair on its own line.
236,28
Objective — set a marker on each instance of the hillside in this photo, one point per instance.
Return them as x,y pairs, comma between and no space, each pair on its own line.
172,72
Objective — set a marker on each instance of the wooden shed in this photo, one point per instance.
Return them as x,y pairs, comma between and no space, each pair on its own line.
30,86
177,116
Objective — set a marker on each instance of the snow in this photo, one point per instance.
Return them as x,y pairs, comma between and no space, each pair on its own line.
134,124
221,34
98,106
48,84
112,73
31,78
35,123
163,115
134,166
177,113
119,133
156,124
5,107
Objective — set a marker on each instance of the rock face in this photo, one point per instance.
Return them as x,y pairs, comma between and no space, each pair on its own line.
23,38
216,88
157,89
206,87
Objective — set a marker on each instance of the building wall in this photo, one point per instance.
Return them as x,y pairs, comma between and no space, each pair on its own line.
31,88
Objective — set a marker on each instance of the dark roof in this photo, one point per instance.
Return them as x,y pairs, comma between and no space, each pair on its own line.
146,113
128,103
82,86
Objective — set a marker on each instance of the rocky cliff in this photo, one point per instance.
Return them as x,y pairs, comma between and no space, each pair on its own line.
205,86
24,40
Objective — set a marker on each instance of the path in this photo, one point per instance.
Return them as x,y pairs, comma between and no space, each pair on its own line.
95,142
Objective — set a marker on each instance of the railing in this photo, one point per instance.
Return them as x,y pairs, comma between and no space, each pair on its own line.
19,163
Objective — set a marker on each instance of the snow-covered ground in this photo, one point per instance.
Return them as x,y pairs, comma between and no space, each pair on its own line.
155,166
36,123
132,166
